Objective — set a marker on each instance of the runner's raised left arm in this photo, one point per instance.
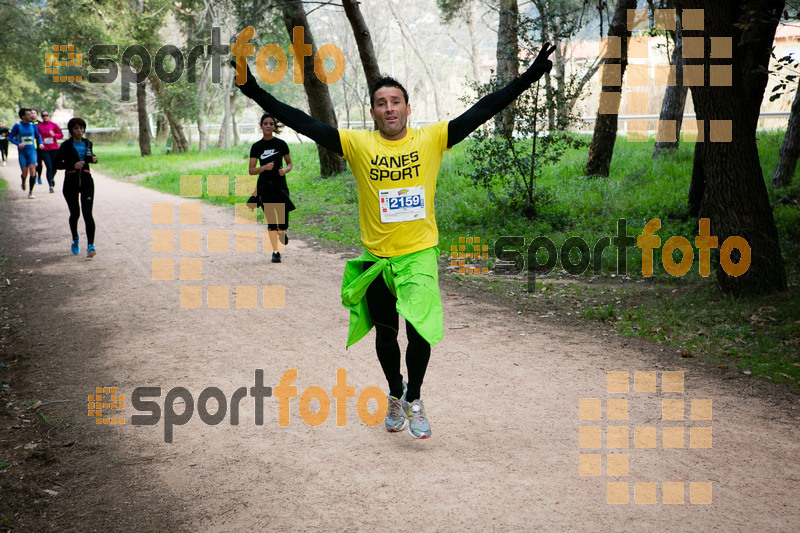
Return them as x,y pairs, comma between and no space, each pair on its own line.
460,127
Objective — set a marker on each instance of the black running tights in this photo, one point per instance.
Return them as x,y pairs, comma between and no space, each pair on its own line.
80,197
382,306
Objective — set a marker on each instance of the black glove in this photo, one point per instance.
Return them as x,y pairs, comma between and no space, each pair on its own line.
540,65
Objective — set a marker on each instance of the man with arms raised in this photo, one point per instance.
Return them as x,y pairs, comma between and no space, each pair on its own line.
395,169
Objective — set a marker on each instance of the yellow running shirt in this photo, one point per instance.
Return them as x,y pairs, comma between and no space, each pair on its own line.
396,184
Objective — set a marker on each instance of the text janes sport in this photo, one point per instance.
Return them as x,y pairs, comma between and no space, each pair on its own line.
383,167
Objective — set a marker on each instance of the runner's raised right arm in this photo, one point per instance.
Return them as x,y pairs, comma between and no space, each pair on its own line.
319,132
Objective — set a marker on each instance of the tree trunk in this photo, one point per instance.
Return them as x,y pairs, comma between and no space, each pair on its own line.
674,102
474,42
234,125
161,127
408,36
202,134
144,120
548,98
224,140
179,142
562,104
317,93
507,54
734,195
346,98
790,149
369,61
601,148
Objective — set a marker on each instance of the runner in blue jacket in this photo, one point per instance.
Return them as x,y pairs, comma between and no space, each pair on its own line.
26,136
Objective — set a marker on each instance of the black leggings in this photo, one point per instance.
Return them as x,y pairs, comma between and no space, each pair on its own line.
382,306
80,198
39,161
4,149
48,157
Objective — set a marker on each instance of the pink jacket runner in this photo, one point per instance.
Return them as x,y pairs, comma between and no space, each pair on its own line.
49,132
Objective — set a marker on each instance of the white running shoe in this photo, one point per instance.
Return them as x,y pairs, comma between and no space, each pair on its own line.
418,425
395,419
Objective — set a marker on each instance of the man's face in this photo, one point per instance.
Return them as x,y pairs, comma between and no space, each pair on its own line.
33,115
390,112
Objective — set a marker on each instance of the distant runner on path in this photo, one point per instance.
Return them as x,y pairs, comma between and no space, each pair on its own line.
4,131
266,161
50,132
26,136
395,169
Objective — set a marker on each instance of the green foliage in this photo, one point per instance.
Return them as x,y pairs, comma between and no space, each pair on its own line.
510,169
180,97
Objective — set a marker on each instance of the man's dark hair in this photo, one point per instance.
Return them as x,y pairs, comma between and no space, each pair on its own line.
23,111
77,121
386,81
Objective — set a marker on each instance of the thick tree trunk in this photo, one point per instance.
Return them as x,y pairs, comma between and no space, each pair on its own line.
369,61
734,196
601,148
507,54
674,102
317,93
790,149
144,121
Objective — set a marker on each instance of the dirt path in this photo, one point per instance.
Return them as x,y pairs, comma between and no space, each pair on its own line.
502,392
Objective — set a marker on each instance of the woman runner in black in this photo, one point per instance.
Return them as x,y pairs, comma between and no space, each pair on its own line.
4,131
272,192
74,157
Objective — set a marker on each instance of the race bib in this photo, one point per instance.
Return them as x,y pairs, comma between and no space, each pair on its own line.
48,140
26,140
402,205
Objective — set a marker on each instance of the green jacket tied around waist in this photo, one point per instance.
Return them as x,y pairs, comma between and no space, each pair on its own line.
412,278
